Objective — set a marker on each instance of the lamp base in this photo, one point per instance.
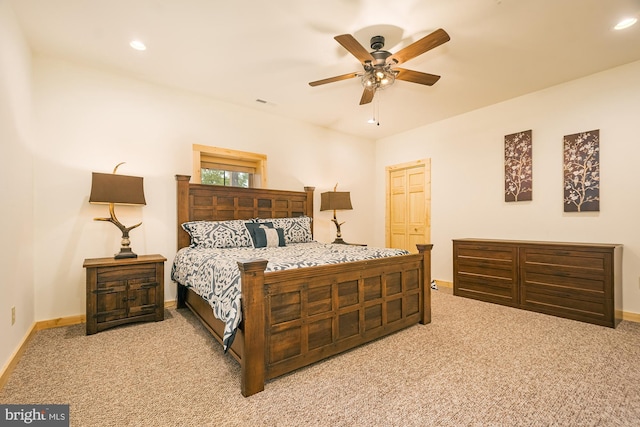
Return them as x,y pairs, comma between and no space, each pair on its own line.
125,249
339,241
125,253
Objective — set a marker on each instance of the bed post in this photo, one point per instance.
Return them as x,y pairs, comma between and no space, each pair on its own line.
253,318
309,206
425,250
183,209
182,202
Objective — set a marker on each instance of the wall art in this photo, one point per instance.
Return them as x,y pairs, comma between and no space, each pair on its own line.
518,178
582,172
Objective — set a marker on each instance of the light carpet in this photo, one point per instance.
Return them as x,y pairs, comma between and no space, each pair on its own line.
476,364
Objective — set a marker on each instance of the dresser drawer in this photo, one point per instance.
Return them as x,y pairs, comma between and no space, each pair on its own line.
569,282
486,272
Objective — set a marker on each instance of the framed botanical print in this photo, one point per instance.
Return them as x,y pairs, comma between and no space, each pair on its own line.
582,172
518,179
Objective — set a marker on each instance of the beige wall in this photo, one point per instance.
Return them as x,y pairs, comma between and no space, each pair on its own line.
87,120
467,155
16,187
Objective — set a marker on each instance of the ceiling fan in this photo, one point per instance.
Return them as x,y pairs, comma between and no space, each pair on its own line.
379,65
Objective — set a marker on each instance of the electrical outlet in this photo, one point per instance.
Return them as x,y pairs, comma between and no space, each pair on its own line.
13,316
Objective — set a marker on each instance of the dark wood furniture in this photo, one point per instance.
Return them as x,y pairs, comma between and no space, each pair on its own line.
121,291
297,317
580,281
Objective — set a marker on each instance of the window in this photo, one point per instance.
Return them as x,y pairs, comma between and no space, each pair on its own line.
222,166
220,176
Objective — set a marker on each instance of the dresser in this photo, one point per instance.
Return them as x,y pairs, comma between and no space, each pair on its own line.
580,281
121,291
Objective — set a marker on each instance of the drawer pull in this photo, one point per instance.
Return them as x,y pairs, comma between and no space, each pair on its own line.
125,299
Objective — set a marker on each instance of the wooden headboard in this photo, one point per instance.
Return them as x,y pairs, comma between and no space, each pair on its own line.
198,202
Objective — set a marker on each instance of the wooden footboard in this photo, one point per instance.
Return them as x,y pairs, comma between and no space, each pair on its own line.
298,317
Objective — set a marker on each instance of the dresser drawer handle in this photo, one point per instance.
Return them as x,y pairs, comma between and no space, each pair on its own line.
125,299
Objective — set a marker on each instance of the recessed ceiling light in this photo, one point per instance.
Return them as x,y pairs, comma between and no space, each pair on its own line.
625,23
137,45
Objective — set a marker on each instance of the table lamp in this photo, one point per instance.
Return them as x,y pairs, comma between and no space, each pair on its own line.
334,201
112,189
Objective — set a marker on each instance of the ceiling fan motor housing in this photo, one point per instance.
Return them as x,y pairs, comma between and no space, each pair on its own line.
380,57
377,42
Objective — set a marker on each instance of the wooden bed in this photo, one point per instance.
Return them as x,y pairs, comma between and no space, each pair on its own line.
297,317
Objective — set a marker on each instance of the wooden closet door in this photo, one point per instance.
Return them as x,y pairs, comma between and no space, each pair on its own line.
408,205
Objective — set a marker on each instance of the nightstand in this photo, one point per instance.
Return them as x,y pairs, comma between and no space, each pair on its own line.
121,291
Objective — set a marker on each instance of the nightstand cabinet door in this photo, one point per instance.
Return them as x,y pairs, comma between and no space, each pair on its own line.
124,291
142,296
111,301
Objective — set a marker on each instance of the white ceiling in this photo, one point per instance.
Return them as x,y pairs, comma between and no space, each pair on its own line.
238,51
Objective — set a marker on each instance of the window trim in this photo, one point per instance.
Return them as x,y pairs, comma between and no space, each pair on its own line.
226,156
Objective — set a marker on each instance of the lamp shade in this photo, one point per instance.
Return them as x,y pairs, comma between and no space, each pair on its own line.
335,200
118,189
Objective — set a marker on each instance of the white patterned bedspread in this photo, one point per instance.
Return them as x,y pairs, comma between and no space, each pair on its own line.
214,275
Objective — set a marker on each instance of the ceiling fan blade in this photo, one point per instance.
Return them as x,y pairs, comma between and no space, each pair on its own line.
416,77
356,49
333,79
367,96
423,45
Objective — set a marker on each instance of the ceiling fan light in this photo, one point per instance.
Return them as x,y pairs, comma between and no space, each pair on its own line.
388,79
369,79
378,78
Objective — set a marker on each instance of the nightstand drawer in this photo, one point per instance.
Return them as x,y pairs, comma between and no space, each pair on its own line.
128,272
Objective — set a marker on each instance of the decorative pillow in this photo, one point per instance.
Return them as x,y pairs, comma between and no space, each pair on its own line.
252,226
260,232
296,230
218,234
269,237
